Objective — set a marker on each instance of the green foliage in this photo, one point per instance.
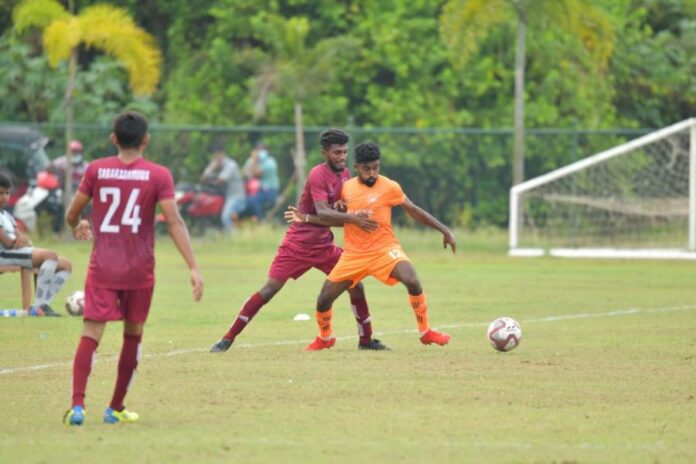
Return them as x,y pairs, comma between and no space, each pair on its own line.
367,64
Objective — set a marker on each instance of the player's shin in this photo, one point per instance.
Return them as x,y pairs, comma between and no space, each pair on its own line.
59,280
44,279
127,364
362,317
420,309
325,323
82,367
246,314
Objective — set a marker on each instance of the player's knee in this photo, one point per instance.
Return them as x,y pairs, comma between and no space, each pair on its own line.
64,264
414,287
357,291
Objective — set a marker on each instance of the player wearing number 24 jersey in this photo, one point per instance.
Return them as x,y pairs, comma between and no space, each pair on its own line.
124,197
124,191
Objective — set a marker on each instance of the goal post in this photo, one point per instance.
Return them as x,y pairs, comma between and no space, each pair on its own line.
636,200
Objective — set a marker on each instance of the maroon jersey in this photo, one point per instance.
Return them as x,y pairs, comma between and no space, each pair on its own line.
323,183
124,197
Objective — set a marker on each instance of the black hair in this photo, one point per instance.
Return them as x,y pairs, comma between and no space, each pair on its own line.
130,128
333,137
217,147
366,152
5,181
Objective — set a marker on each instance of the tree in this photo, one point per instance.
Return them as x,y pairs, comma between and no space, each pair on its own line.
103,27
298,71
465,23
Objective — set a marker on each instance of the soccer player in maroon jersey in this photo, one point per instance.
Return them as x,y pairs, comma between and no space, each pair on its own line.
307,246
124,190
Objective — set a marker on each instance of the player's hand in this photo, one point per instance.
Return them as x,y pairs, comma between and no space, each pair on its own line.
341,206
363,221
448,239
22,241
197,284
83,231
292,214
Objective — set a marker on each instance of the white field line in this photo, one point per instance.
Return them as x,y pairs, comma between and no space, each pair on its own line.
621,312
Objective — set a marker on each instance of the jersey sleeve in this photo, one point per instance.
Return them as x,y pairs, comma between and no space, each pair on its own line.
317,187
87,182
396,194
166,190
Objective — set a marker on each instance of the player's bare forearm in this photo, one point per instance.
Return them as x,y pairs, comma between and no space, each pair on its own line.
424,217
6,241
334,217
78,203
292,214
180,236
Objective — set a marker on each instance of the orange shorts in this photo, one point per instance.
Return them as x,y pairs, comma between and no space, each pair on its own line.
379,264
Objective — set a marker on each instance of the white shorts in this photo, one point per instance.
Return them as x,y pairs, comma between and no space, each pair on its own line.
16,257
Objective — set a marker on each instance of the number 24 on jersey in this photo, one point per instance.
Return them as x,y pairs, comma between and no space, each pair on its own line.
131,214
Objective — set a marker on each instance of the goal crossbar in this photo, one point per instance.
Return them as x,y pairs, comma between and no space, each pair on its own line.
601,157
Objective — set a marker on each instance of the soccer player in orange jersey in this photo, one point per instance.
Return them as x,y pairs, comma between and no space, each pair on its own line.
377,253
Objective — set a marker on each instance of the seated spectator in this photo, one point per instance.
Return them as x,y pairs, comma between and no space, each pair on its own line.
223,171
17,250
262,166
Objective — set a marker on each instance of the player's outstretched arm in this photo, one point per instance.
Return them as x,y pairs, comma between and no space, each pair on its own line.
424,217
326,213
292,214
179,233
80,227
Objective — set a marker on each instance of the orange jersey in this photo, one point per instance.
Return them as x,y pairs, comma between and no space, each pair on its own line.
377,201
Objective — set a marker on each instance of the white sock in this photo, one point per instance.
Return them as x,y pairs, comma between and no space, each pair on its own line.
58,281
47,272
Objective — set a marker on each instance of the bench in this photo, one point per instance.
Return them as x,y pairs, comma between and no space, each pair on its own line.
26,277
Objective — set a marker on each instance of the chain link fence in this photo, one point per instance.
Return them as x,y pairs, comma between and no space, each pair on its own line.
462,176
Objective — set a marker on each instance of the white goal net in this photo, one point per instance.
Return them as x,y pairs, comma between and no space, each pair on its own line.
634,200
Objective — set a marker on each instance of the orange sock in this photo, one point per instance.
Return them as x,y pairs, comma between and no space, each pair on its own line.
325,324
420,309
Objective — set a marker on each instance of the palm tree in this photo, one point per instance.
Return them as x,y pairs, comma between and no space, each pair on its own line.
297,71
103,27
465,23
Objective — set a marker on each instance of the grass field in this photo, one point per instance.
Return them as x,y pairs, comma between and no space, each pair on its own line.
606,371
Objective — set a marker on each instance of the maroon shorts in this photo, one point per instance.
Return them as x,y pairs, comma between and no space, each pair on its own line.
106,304
291,264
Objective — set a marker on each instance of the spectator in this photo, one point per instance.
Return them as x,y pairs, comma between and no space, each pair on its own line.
17,250
79,165
223,171
262,166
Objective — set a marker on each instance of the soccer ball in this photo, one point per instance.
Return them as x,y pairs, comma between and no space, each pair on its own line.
75,304
504,334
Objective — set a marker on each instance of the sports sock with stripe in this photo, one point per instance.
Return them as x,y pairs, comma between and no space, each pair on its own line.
324,321
82,366
251,306
420,309
127,364
362,317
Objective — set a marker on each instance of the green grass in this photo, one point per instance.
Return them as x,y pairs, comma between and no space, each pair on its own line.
590,382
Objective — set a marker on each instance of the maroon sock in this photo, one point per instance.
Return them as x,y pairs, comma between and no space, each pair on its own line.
127,363
362,317
82,366
247,313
